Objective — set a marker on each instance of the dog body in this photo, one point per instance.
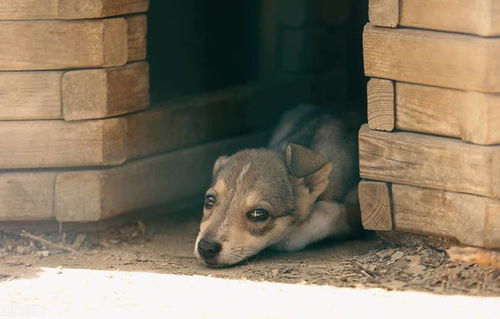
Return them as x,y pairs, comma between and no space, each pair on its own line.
299,190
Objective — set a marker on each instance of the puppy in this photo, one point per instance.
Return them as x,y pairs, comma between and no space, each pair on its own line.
299,190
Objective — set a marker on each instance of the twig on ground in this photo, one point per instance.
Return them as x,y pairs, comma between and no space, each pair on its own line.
47,242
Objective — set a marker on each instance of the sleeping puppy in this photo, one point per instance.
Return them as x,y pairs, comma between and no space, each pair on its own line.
299,190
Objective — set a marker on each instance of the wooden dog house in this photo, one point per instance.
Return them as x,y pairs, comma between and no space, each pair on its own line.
429,153
79,138
82,141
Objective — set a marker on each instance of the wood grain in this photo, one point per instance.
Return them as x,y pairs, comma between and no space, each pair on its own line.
44,45
100,93
429,161
32,144
375,204
434,58
472,116
27,196
68,9
137,30
471,219
178,124
187,122
481,17
93,195
381,96
384,13
30,95
74,95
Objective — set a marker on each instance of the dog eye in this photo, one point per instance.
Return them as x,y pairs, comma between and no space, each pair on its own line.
258,215
210,201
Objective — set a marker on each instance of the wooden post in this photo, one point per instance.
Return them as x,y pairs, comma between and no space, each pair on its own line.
100,93
68,9
472,116
137,29
375,204
434,58
471,219
381,104
429,161
384,13
481,17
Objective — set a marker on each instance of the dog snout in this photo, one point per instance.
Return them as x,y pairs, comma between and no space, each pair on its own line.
209,248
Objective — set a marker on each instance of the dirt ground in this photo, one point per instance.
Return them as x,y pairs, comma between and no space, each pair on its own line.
165,245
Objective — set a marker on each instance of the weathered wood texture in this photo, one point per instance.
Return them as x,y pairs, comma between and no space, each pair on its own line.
481,17
472,220
30,95
384,13
74,95
381,96
97,194
27,196
137,30
44,45
182,123
472,116
32,144
429,161
188,121
100,93
375,204
435,58
68,9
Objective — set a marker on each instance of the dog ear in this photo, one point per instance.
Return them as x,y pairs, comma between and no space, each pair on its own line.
221,161
310,166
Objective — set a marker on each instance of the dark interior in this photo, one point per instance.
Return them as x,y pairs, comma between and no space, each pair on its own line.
286,48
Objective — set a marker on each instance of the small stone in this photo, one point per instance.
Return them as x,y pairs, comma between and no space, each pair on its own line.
59,270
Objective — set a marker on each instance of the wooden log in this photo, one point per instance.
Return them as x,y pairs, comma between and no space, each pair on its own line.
384,13
471,219
74,95
30,95
434,58
375,204
137,29
27,196
43,45
481,17
187,122
472,116
68,9
429,161
381,104
100,93
32,144
93,195
181,123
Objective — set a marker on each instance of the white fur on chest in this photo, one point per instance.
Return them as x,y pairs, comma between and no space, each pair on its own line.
327,218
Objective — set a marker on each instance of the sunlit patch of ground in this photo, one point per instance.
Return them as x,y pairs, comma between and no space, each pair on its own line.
77,293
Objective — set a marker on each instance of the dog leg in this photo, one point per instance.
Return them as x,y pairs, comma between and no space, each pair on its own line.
326,219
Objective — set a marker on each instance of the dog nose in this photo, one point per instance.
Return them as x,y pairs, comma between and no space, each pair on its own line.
208,248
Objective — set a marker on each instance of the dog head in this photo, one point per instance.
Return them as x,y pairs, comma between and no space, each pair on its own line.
256,198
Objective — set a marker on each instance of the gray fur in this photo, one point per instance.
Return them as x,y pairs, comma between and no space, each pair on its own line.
301,191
